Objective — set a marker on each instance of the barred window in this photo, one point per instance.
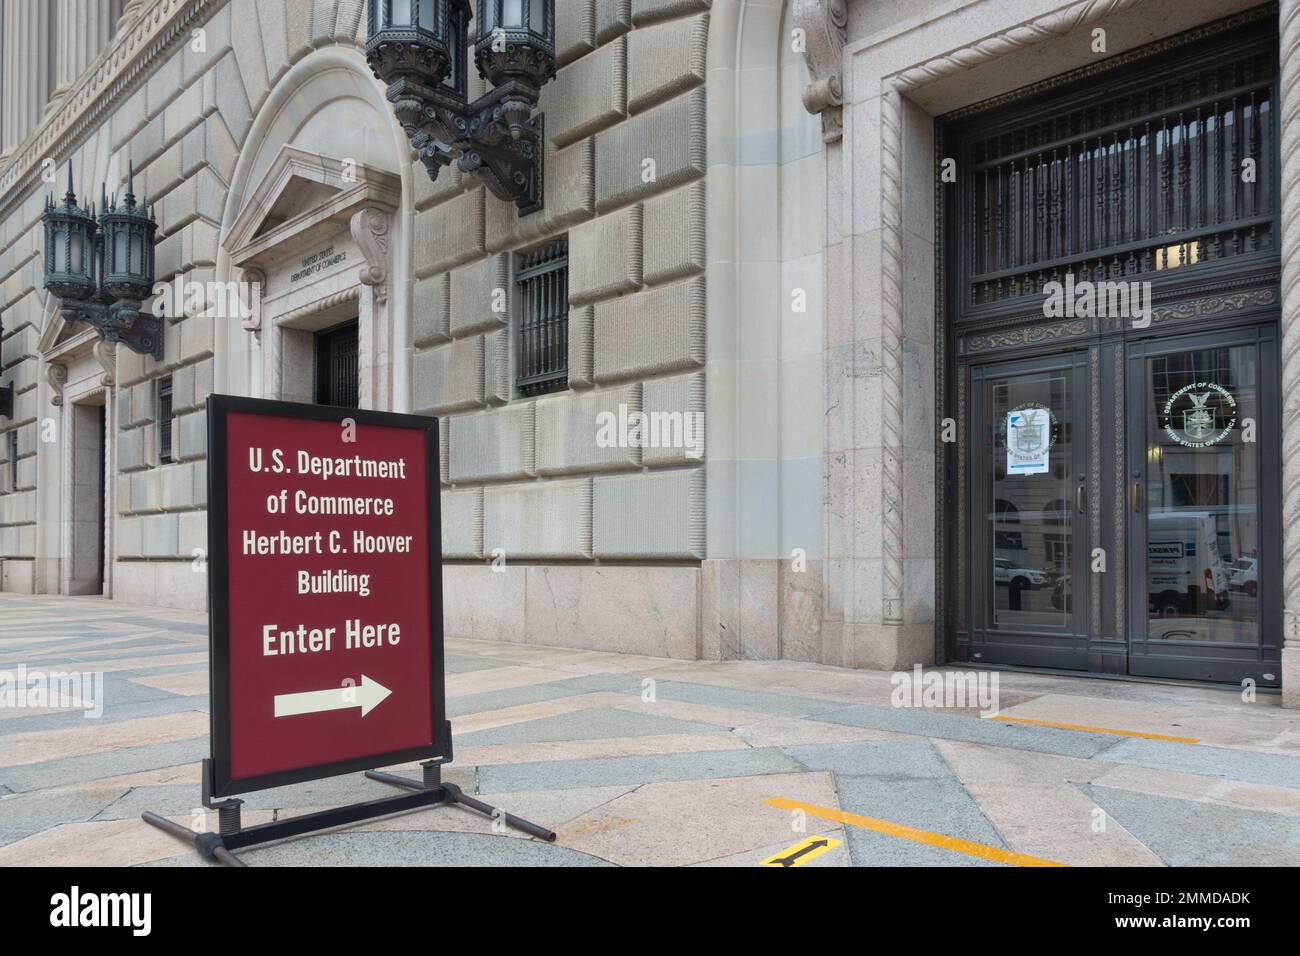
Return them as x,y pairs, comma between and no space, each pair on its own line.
165,420
542,282
12,439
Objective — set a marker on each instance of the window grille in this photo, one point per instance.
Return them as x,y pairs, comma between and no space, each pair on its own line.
165,420
1136,184
542,281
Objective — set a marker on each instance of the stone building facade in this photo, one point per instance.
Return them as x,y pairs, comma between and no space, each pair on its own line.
748,201
261,138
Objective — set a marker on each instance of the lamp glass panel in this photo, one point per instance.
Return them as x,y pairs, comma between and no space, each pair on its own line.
60,240
429,17
75,252
137,255
119,250
537,17
402,12
456,46
512,14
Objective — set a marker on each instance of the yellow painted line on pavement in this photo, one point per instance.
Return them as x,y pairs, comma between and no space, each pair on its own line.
1095,730
955,844
802,852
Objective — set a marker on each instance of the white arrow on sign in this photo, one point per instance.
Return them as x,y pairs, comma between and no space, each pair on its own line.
368,696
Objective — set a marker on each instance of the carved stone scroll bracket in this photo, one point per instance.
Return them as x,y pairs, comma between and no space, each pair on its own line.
254,284
57,375
370,232
824,23
106,354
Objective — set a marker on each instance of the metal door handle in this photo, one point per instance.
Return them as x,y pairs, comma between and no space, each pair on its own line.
1136,497
1081,500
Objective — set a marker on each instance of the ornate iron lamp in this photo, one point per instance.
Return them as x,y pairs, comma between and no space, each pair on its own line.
419,49
102,268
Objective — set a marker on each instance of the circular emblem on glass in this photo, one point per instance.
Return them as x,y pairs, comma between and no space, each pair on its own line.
1200,415
1028,433
1030,427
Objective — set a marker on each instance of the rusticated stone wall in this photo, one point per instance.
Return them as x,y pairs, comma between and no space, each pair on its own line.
625,167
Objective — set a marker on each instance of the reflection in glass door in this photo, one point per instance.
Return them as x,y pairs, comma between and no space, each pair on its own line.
1029,507
1203,527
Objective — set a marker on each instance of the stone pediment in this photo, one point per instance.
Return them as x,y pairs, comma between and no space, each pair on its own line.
63,342
60,336
304,199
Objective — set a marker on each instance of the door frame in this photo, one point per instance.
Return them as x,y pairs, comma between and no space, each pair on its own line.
1189,660
1209,296
1023,647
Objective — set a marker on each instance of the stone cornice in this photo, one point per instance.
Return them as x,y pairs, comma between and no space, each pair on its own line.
133,52
323,304
1030,33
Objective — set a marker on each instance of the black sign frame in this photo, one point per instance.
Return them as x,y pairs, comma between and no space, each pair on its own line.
221,782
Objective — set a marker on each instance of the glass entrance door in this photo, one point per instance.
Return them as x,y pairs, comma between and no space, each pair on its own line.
1030,503
1203,507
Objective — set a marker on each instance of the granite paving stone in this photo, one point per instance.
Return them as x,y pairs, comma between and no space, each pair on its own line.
615,770
69,770
642,761
405,848
1192,833
927,723
595,723
1245,765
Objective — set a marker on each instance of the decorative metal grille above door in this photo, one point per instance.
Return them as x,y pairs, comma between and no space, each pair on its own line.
1169,168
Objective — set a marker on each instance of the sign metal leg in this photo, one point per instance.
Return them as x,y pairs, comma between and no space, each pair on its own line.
430,792
209,845
454,794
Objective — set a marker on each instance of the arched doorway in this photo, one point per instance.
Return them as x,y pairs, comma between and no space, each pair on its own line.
318,228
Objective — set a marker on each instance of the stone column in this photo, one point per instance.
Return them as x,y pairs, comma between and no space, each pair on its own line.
24,85
1289,90
83,29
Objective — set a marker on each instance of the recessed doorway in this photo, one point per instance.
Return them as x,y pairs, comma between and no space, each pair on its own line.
338,369
1110,344
87,489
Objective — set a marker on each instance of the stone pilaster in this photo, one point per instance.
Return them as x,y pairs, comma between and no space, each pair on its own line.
83,29
1289,92
891,355
24,83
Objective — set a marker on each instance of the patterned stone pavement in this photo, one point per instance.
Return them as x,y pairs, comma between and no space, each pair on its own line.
1076,771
